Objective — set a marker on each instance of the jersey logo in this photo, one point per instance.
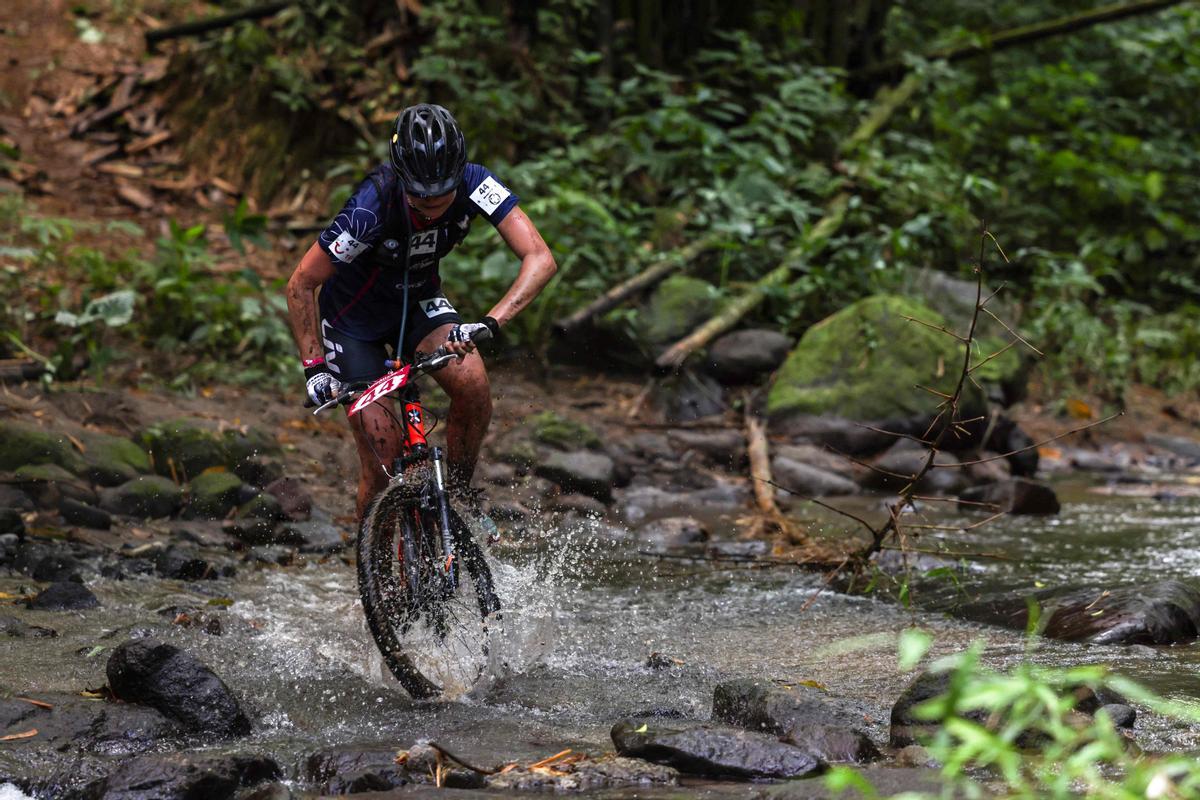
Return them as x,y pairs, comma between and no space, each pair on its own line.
345,247
489,195
423,243
436,306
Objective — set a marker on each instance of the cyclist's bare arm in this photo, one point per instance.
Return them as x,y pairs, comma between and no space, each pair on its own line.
314,269
537,265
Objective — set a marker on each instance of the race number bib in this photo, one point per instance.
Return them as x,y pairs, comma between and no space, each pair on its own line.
489,195
436,306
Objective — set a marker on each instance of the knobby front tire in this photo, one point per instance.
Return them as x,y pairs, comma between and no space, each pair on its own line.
429,641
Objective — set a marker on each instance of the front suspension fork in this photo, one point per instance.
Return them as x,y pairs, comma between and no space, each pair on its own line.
449,568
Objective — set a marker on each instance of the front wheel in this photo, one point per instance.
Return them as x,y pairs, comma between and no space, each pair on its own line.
430,620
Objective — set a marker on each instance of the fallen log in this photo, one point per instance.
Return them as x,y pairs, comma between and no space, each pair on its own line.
770,521
153,37
886,103
656,272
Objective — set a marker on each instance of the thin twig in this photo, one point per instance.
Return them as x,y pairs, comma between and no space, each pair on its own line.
996,354
1109,418
941,328
953,554
988,311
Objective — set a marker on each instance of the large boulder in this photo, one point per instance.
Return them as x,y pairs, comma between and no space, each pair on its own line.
744,356
147,496
22,444
866,361
183,776
1012,496
212,495
583,471
1167,612
113,460
714,751
177,684
804,715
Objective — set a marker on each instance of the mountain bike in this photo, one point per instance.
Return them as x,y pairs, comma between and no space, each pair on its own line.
426,588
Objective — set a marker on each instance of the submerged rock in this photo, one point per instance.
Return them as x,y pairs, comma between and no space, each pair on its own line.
716,752
183,776
1013,496
177,684
1162,613
149,496
64,596
73,722
585,775
349,769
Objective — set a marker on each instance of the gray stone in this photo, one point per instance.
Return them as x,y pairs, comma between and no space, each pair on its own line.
350,769
184,776
18,629
1179,445
580,471
22,444
312,537
744,356
809,481
674,532
180,564
148,496
820,457
587,774
714,751
1122,716
579,504
178,685
73,723
64,596
724,447
294,500
895,468
687,396
1013,496
76,513
264,506
840,434
13,497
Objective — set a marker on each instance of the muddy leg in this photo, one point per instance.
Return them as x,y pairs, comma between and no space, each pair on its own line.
380,439
466,382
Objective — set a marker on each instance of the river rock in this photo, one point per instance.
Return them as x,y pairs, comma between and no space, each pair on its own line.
182,449
11,522
294,500
1013,496
258,470
1179,445
47,484
647,502
553,429
744,356
895,468
73,722
1122,716
314,536
1097,461
674,309
148,496
804,715
184,776
576,503
15,628
1007,437
64,596
907,727
56,565
13,497
212,495
349,769
22,444
820,457
809,481
722,446
180,564
585,775
582,471
1167,612
263,506
842,435
177,684
714,751
672,532
113,460
866,361
75,513
991,468
687,396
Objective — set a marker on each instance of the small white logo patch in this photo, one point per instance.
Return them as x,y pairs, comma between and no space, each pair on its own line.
423,243
436,306
345,247
489,195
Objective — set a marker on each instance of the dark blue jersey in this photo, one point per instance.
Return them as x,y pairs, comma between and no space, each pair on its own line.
364,297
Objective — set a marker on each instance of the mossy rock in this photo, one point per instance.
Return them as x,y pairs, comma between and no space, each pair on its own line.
518,452
263,507
559,431
113,460
865,362
186,446
676,307
244,446
211,495
147,496
24,444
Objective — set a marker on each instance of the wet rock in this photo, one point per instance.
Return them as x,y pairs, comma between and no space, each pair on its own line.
350,769
184,776
177,684
724,447
687,396
644,502
804,715
315,536
580,471
579,504
64,596
649,445
263,507
847,436
267,791
56,566
808,481
586,775
516,452
895,468
1013,496
22,444
259,470
148,496
184,565
127,568
1167,612
907,727
182,449
1179,445
12,497
497,473
76,513
1122,716
735,550
15,628
1095,461
712,751
48,484
672,532
212,495
113,460
744,356
555,430
73,722
294,500
987,471
820,457
11,522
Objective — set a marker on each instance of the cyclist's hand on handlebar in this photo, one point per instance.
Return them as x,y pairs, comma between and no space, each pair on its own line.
463,336
321,385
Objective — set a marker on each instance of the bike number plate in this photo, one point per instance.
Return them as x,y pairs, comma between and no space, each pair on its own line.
385,385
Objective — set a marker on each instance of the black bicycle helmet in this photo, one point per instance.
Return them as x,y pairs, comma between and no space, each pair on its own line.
428,150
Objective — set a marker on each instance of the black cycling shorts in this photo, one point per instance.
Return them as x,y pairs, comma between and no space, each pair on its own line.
357,361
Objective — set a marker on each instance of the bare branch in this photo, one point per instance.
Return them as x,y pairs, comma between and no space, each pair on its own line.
988,311
988,234
943,395
998,556
1063,435
996,354
988,299
941,328
892,433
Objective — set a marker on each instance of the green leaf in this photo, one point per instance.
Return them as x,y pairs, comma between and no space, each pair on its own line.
914,644
1153,184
